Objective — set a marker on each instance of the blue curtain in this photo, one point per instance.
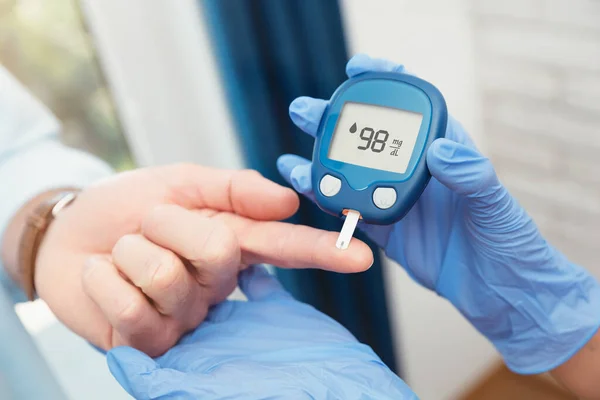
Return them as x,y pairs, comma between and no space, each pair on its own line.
270,52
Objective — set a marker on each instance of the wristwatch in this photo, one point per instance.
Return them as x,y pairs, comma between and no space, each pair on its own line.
36,226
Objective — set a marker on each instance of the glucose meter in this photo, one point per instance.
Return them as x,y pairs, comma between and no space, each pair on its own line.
369,154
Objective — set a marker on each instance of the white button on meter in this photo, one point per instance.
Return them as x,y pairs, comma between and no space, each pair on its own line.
384,198
330,185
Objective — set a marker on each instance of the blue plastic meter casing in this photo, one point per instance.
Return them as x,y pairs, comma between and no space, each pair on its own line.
400,91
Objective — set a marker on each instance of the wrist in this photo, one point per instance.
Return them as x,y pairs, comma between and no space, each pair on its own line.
14,231
26,231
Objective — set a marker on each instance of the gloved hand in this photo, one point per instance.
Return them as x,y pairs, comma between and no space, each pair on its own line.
271,346
470,241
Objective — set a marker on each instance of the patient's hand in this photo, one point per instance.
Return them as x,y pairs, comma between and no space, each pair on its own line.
269,347
137,259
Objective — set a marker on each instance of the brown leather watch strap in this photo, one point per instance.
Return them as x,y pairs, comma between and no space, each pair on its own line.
35,228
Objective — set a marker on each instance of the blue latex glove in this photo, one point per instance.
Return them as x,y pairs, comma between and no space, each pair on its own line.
269,347
470,241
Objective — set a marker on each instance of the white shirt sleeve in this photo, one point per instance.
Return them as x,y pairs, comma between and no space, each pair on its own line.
32,159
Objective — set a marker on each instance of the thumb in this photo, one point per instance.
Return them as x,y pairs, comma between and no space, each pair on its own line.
467,173
139,374
258,284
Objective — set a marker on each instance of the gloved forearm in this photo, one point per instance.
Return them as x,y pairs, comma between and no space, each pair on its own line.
534,305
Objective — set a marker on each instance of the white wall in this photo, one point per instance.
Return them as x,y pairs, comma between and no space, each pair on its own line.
441,353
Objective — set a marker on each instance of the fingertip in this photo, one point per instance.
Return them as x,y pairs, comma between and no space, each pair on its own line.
282,202
362,63
286,164
362,257
306,112
356,64
299,105
300,178
297,172
284,195
358,257
290,199
263,199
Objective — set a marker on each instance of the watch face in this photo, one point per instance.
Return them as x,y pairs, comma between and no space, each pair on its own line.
63,200
35,228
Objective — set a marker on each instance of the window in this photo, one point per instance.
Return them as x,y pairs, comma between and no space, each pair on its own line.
46,46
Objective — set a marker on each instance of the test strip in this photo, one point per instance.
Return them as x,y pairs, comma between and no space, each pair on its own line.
347,230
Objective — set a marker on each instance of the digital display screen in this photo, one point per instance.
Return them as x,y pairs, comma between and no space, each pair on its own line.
375,137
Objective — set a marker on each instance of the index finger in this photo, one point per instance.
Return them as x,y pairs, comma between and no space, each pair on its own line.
244,192
306,113
296,246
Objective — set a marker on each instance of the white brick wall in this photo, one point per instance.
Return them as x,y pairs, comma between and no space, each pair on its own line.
579,14
547,119
533,42
538,63
583,90
526,79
